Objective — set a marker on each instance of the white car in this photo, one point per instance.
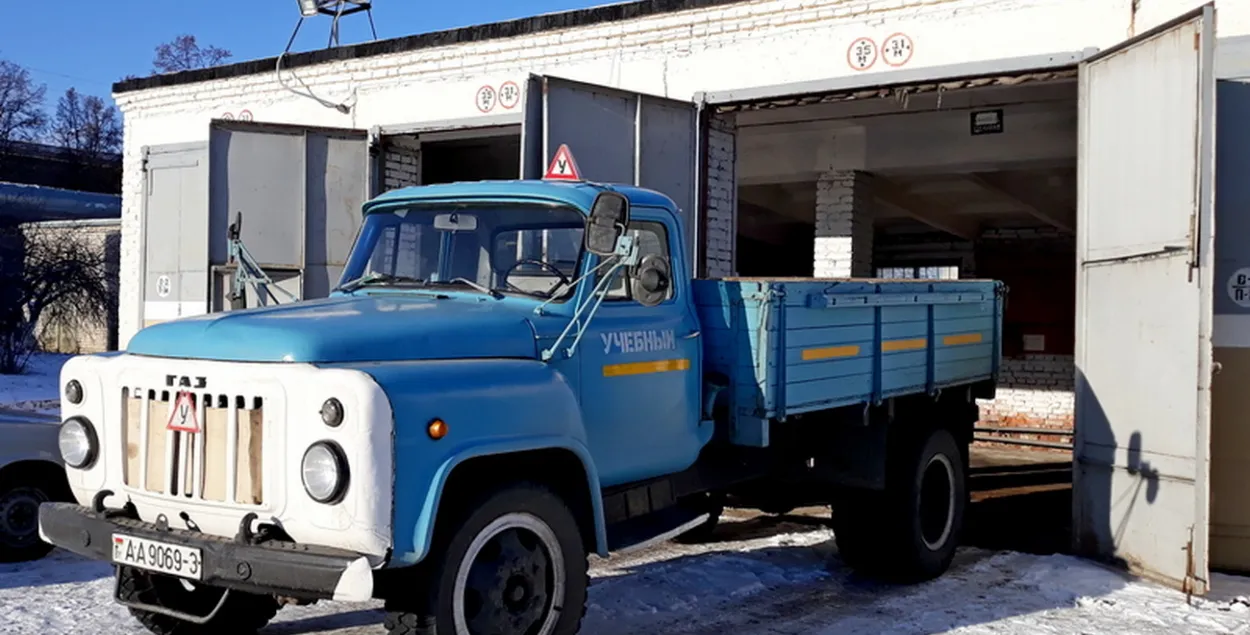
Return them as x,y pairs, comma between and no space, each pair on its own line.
31,473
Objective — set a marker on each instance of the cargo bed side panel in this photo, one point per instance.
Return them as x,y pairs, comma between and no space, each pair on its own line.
795,346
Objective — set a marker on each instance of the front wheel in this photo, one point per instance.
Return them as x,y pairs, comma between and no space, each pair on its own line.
909,532
514,564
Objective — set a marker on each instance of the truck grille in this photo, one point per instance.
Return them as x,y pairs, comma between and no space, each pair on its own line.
222,462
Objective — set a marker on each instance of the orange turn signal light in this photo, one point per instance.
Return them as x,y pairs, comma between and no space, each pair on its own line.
437,429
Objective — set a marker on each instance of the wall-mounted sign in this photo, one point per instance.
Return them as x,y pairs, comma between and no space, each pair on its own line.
987,121
1034,343
1239,287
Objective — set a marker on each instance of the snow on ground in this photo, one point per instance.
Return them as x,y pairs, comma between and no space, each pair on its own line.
37,389
762,577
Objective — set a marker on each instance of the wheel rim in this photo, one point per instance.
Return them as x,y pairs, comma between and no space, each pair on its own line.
510,580
937,502
19,516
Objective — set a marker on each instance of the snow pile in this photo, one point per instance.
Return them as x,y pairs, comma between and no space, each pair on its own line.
755,583
37,389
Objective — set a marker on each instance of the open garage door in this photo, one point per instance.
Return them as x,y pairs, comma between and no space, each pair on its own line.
616,136
299,189
1144,301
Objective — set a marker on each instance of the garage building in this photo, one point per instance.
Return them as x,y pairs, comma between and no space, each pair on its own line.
1066,147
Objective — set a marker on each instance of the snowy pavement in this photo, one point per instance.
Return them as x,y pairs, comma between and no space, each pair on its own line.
37,389
760,576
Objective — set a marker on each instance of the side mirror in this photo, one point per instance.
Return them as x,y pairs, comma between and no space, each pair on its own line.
651,280
609,216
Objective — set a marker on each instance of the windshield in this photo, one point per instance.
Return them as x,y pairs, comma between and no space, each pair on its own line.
502,248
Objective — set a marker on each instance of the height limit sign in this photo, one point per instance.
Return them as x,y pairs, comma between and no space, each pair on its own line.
1239,287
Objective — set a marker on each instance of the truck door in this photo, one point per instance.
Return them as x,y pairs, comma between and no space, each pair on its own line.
617,136
640,366
1144,301
640,372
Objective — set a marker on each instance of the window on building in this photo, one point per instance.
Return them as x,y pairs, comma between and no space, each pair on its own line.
930,272
651,239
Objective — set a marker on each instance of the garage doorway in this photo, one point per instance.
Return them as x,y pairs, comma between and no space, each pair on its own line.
969,178
432,156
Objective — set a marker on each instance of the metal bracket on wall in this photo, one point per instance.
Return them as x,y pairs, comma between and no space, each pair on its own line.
249,271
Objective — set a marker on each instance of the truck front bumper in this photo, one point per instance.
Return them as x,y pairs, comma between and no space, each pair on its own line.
272,567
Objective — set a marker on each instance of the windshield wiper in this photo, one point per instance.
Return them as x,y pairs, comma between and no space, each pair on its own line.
465,281
375,278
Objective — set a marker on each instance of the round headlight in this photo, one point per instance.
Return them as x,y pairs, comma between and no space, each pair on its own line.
78,443
325,472
73,392
332,412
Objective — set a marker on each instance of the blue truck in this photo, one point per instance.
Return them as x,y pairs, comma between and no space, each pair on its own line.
512,376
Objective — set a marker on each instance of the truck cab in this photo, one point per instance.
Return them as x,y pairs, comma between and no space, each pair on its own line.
510,376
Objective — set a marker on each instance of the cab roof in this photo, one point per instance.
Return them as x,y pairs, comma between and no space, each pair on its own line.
578,194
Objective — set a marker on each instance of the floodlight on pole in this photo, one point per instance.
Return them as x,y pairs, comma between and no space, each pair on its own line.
336,9
309,8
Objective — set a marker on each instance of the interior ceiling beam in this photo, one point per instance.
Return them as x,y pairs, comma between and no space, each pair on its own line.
924,210
959,99
1048,212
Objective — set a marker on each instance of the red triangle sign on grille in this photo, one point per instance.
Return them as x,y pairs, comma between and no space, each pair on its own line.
563,167
182,415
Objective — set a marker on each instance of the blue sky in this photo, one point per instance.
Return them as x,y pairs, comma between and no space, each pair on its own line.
90,44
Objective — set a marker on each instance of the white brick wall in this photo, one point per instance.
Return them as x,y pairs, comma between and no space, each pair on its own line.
401,164
722,198
1034,391
843,225
754,43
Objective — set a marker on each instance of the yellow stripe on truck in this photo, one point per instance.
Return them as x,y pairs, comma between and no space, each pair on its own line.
645,368
890,346
957,340
830,352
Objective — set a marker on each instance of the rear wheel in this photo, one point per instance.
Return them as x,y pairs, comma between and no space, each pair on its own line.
20,497
909,532
242,613
514,564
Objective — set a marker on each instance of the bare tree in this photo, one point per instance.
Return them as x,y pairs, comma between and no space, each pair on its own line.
21,106
86,126
44,273
184,53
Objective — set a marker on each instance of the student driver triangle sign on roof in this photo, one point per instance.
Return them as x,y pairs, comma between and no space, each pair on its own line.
563,167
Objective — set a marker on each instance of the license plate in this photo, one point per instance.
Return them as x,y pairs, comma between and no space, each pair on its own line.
185,562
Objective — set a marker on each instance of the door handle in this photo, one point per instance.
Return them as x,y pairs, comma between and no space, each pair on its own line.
691,335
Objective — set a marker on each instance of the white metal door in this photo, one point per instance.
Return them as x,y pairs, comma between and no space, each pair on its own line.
615,136
1144,255
175,232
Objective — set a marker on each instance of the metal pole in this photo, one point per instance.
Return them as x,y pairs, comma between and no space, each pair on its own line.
1041,444
1031,430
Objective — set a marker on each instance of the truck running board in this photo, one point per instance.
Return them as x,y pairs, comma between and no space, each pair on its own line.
639,533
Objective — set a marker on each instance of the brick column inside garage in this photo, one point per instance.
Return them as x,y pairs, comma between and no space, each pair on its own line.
843,225
720,234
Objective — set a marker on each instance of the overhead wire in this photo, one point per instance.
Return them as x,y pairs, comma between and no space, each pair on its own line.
343,106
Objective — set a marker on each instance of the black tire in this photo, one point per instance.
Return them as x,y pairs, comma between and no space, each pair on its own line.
521,525
243,613
20,497
909,532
